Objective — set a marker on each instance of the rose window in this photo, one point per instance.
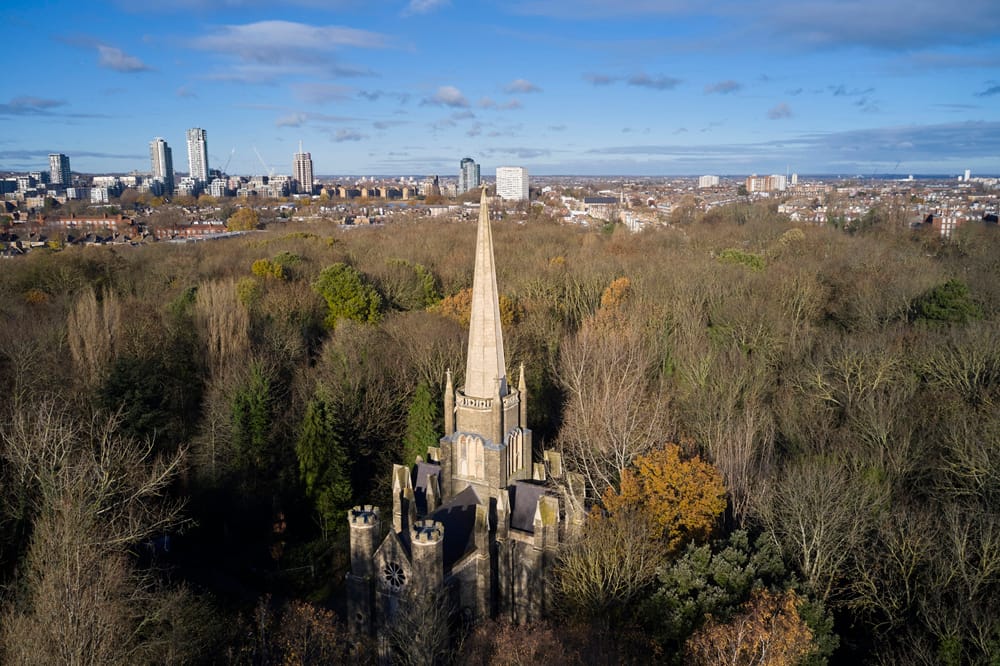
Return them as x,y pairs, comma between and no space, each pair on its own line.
394,576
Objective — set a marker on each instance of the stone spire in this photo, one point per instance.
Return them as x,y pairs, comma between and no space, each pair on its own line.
485,365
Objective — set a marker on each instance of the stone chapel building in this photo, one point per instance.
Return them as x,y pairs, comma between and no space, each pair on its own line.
479,519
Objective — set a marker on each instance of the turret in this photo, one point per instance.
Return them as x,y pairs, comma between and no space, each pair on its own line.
427,554
364,526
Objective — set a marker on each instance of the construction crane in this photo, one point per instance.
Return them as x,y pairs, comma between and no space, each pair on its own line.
269,170
231,153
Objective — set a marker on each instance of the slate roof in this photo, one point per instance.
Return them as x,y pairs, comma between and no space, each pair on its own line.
422,472
458,515
524,497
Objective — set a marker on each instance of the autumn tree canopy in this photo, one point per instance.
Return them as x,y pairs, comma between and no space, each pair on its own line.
244,219
680,499
767,632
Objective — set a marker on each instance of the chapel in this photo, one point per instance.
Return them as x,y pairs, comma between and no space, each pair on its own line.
478,518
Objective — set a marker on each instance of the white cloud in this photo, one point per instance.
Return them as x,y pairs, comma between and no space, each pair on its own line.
319,93
521,86
291,120
661,82
448,96
424,6
723,87
348,135
118,60
780,111
29,106
277,42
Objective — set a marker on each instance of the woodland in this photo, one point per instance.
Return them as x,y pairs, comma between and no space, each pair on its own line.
789,438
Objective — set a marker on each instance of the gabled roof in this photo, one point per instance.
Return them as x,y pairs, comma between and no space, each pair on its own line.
422,475
524,496
458,515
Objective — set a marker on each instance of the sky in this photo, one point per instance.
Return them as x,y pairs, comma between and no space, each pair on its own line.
587,87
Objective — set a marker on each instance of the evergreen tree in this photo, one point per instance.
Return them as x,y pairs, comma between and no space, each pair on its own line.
323,464
947,303
251,414
421,424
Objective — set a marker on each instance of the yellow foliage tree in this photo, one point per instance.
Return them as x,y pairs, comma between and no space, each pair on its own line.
616,295
767,632
265,268
680,499
244,219
458,307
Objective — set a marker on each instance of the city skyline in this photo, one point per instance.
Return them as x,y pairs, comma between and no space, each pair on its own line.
589,87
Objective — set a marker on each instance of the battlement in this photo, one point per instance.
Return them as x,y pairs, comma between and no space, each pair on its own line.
427,532
363,516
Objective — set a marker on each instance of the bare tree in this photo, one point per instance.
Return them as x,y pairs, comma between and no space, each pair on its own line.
419,633
224,324
616,408
93,329
820,512
92,495
608,565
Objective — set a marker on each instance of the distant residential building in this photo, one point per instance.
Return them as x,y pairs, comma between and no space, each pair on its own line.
708,181
162,162
773,183
604,208
189,187
512,183
100,195
197,145
59,173
468,175
946,222
25,183
303,170
218,188
430,186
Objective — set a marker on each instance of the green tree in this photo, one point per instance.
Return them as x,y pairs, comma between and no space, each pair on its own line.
323,463
251,423
347,295
421,424
948,303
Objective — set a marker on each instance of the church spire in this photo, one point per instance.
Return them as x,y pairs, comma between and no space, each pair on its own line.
485,366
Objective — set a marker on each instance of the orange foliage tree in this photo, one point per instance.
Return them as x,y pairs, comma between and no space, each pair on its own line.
767,632
680,499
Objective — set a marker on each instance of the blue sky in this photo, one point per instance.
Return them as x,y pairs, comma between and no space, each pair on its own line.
386,87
